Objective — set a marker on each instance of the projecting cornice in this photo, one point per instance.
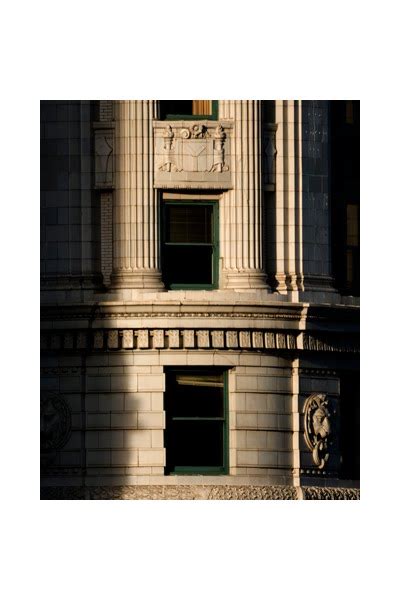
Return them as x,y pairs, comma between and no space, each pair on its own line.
274,315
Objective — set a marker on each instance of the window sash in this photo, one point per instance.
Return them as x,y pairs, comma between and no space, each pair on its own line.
213,246
173,376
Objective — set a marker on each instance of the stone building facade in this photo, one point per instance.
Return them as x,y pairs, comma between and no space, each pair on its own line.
200,309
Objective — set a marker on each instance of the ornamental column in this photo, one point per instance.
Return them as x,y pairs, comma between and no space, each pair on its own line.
242,235
135,224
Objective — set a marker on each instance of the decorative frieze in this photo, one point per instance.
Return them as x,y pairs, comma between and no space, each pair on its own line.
68,341
197,492
158,338
98,340
55,342
232,339
192,154
270,340
204,338
258,339
173,336
112,339
253,492
127,339
245,339
317,343
188,338
217,339
330,493
81,340
143,338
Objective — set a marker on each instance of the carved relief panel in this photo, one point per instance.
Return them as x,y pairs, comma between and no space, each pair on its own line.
269,156
317,428
192,154
104,155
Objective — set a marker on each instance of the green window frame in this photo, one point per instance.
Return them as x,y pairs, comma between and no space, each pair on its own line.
175,253
185,117
196,437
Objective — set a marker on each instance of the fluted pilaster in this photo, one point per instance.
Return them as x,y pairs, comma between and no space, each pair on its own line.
289,212
135,228
242,237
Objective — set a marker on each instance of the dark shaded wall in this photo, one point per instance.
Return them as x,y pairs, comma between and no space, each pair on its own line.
69,208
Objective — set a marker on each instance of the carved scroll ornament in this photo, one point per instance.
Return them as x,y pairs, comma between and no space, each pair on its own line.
317,428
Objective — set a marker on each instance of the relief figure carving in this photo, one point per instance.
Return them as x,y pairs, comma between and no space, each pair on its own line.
317,428
169,155
219,153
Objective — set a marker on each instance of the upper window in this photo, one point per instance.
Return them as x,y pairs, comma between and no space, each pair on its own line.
189,254
196,434
189,109
345,193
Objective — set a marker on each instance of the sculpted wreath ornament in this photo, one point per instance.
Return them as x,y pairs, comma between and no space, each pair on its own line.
317,428
55,421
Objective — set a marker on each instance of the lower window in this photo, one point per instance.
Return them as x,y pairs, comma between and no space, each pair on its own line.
196,435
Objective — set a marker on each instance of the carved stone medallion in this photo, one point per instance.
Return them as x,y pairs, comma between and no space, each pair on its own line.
317,428
55,421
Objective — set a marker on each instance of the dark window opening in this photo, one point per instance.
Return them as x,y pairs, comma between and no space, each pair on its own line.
350,425
190,245
345,194
196,422
189,109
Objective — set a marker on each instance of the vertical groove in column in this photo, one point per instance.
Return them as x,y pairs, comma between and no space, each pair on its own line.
299,198
246,191
152,233
239,184
154,107
252,200
130,237
227,201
